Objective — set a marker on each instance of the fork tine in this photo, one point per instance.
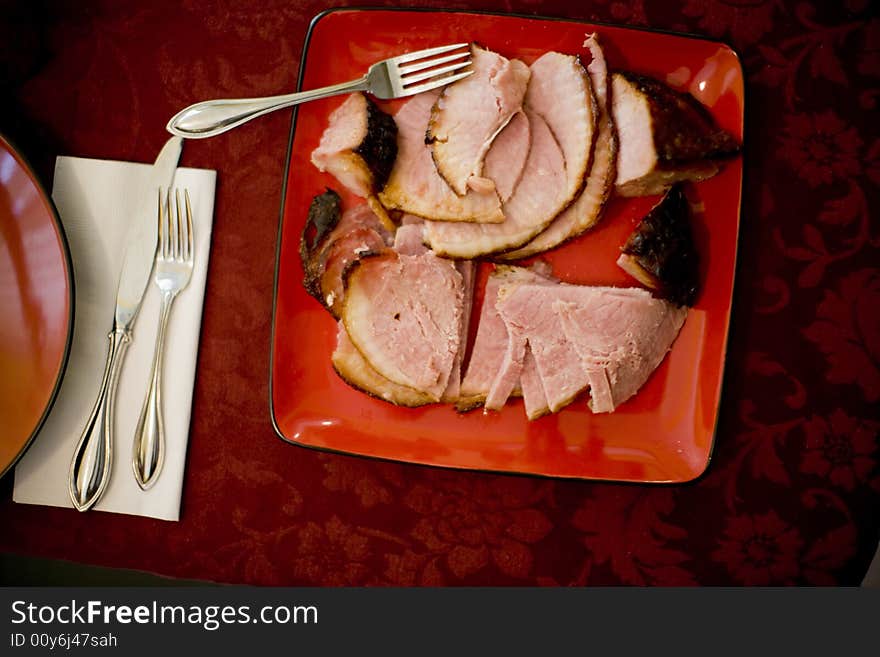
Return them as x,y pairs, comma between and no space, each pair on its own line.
189,228
159,230
421,54
412,68
178,234
163,224
412,79
433,84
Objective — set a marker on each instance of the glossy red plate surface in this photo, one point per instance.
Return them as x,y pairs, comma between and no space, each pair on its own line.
665,433
36,297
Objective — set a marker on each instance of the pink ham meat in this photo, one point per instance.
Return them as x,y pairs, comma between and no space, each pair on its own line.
527,313
665,136
560,92
533,395
352,368
467,269
621,335
538,197
586,211
469,114
491,341
506,160
562,136
331,241
608,339
408,240
414,185
403,314
358,148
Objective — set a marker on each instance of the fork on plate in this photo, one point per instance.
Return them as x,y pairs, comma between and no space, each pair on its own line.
174,267
397,77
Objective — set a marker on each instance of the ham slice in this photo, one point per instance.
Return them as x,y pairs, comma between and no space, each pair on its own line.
469,114
408,240
403,314
620,335
562,136
665,136
491,341
560,92
331,241
468,271
661,253
534,399
414,185
587,209
527,313
352,368
506,160
607,339
538,197
358,148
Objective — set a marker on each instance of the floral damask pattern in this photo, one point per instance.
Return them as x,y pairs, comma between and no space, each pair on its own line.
760,550
840,448
846,331
821,148
475,523
793,490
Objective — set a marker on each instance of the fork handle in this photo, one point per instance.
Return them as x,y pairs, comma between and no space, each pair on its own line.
214,117
149,437
93,458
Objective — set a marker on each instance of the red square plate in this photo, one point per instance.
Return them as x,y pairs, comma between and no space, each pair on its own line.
665,433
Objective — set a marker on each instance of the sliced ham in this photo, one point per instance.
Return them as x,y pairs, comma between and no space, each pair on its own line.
491,340
607,339
660,252
527,312
586,210
414,185
538,197
620,335
351,366
358,147
560,92
665,136
331,241
408,240
507,377
534,399
403,314
506,160
468,271
469,114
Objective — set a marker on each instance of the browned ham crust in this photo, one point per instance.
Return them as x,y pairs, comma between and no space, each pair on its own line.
359,146
665,136
660,252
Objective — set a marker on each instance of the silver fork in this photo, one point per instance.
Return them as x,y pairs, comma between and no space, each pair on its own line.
396,77
174,267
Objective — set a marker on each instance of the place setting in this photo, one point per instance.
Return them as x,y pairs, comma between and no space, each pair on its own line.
116,436
516,210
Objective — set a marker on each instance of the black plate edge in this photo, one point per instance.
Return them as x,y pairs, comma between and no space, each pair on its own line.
71,303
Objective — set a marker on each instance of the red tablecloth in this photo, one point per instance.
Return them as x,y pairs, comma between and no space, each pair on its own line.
792,493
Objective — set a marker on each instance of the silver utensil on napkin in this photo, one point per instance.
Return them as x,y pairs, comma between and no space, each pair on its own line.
92,460
397,77
174,268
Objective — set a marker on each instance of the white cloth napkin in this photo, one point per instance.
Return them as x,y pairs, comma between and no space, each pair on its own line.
93,201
